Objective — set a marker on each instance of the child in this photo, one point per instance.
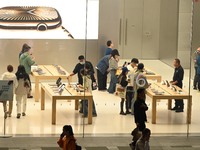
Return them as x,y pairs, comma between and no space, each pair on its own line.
87,87
122,90
9,75
22,90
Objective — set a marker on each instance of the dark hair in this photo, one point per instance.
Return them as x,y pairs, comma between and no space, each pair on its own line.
140,66
81,57
21,73
25,48
10,68
114,52
109,43
135,60
146,131
68,129
177,61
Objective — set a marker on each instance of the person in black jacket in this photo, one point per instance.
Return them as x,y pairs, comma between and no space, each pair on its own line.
140,109
121,90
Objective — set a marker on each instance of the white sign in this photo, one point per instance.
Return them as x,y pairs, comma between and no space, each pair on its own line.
6,90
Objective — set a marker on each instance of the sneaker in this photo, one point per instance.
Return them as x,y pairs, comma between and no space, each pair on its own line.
23,114
122,113
18,116
94,115
9,115
128,112
175,108
194,88
179,110
30,96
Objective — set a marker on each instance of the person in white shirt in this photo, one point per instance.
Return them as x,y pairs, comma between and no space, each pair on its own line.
9,75
132,67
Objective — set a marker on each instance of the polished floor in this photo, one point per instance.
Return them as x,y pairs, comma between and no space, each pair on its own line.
108,122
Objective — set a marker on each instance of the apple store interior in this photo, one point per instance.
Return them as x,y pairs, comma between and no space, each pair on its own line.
63,38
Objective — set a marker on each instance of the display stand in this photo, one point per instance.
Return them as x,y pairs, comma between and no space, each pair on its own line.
4,130
6,94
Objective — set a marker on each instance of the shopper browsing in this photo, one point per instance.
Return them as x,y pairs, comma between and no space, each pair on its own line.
177,80
27,60
196,54
87,88
79,66
121,90
9,75
113,66
22,90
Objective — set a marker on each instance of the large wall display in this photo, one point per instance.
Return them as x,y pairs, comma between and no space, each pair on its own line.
49,19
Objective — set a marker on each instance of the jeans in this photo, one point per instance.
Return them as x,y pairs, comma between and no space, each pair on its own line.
195,78
113,81
85,107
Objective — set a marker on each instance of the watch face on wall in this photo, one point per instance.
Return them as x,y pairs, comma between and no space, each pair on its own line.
49,19
29,17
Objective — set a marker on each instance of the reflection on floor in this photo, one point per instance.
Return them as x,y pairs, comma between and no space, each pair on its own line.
100,143
108,121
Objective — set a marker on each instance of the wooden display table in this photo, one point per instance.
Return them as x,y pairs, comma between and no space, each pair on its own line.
150,75
49,72
165,92
68,93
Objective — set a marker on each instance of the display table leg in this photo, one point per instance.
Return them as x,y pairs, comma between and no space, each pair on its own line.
153,110
53,110
37,89
90,100
76,104
169,104
42,99
189,110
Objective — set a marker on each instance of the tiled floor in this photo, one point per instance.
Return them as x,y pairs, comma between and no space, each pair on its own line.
100,143
108,122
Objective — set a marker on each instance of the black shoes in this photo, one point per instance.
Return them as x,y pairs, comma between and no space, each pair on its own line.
30,96
175,108
179,110
122,113
18,116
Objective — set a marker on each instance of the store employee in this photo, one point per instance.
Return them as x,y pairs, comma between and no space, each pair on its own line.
80,66
177,80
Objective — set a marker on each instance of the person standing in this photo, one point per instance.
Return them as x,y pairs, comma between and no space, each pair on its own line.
109,47
113,66
177,80
102,71
121,90
9,75
25,48
198,72
140,109
143,142
27,60
132,67
22,90
195,56
79,66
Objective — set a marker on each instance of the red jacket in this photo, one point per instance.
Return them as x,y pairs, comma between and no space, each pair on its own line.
67,143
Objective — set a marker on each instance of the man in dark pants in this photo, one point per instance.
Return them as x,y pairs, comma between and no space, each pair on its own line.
102,68
140,109
195,56
177,80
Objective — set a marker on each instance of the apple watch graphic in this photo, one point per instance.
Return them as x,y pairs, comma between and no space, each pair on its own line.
38,18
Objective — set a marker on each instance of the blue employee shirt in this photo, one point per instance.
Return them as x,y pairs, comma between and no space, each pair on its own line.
103,64
108,51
